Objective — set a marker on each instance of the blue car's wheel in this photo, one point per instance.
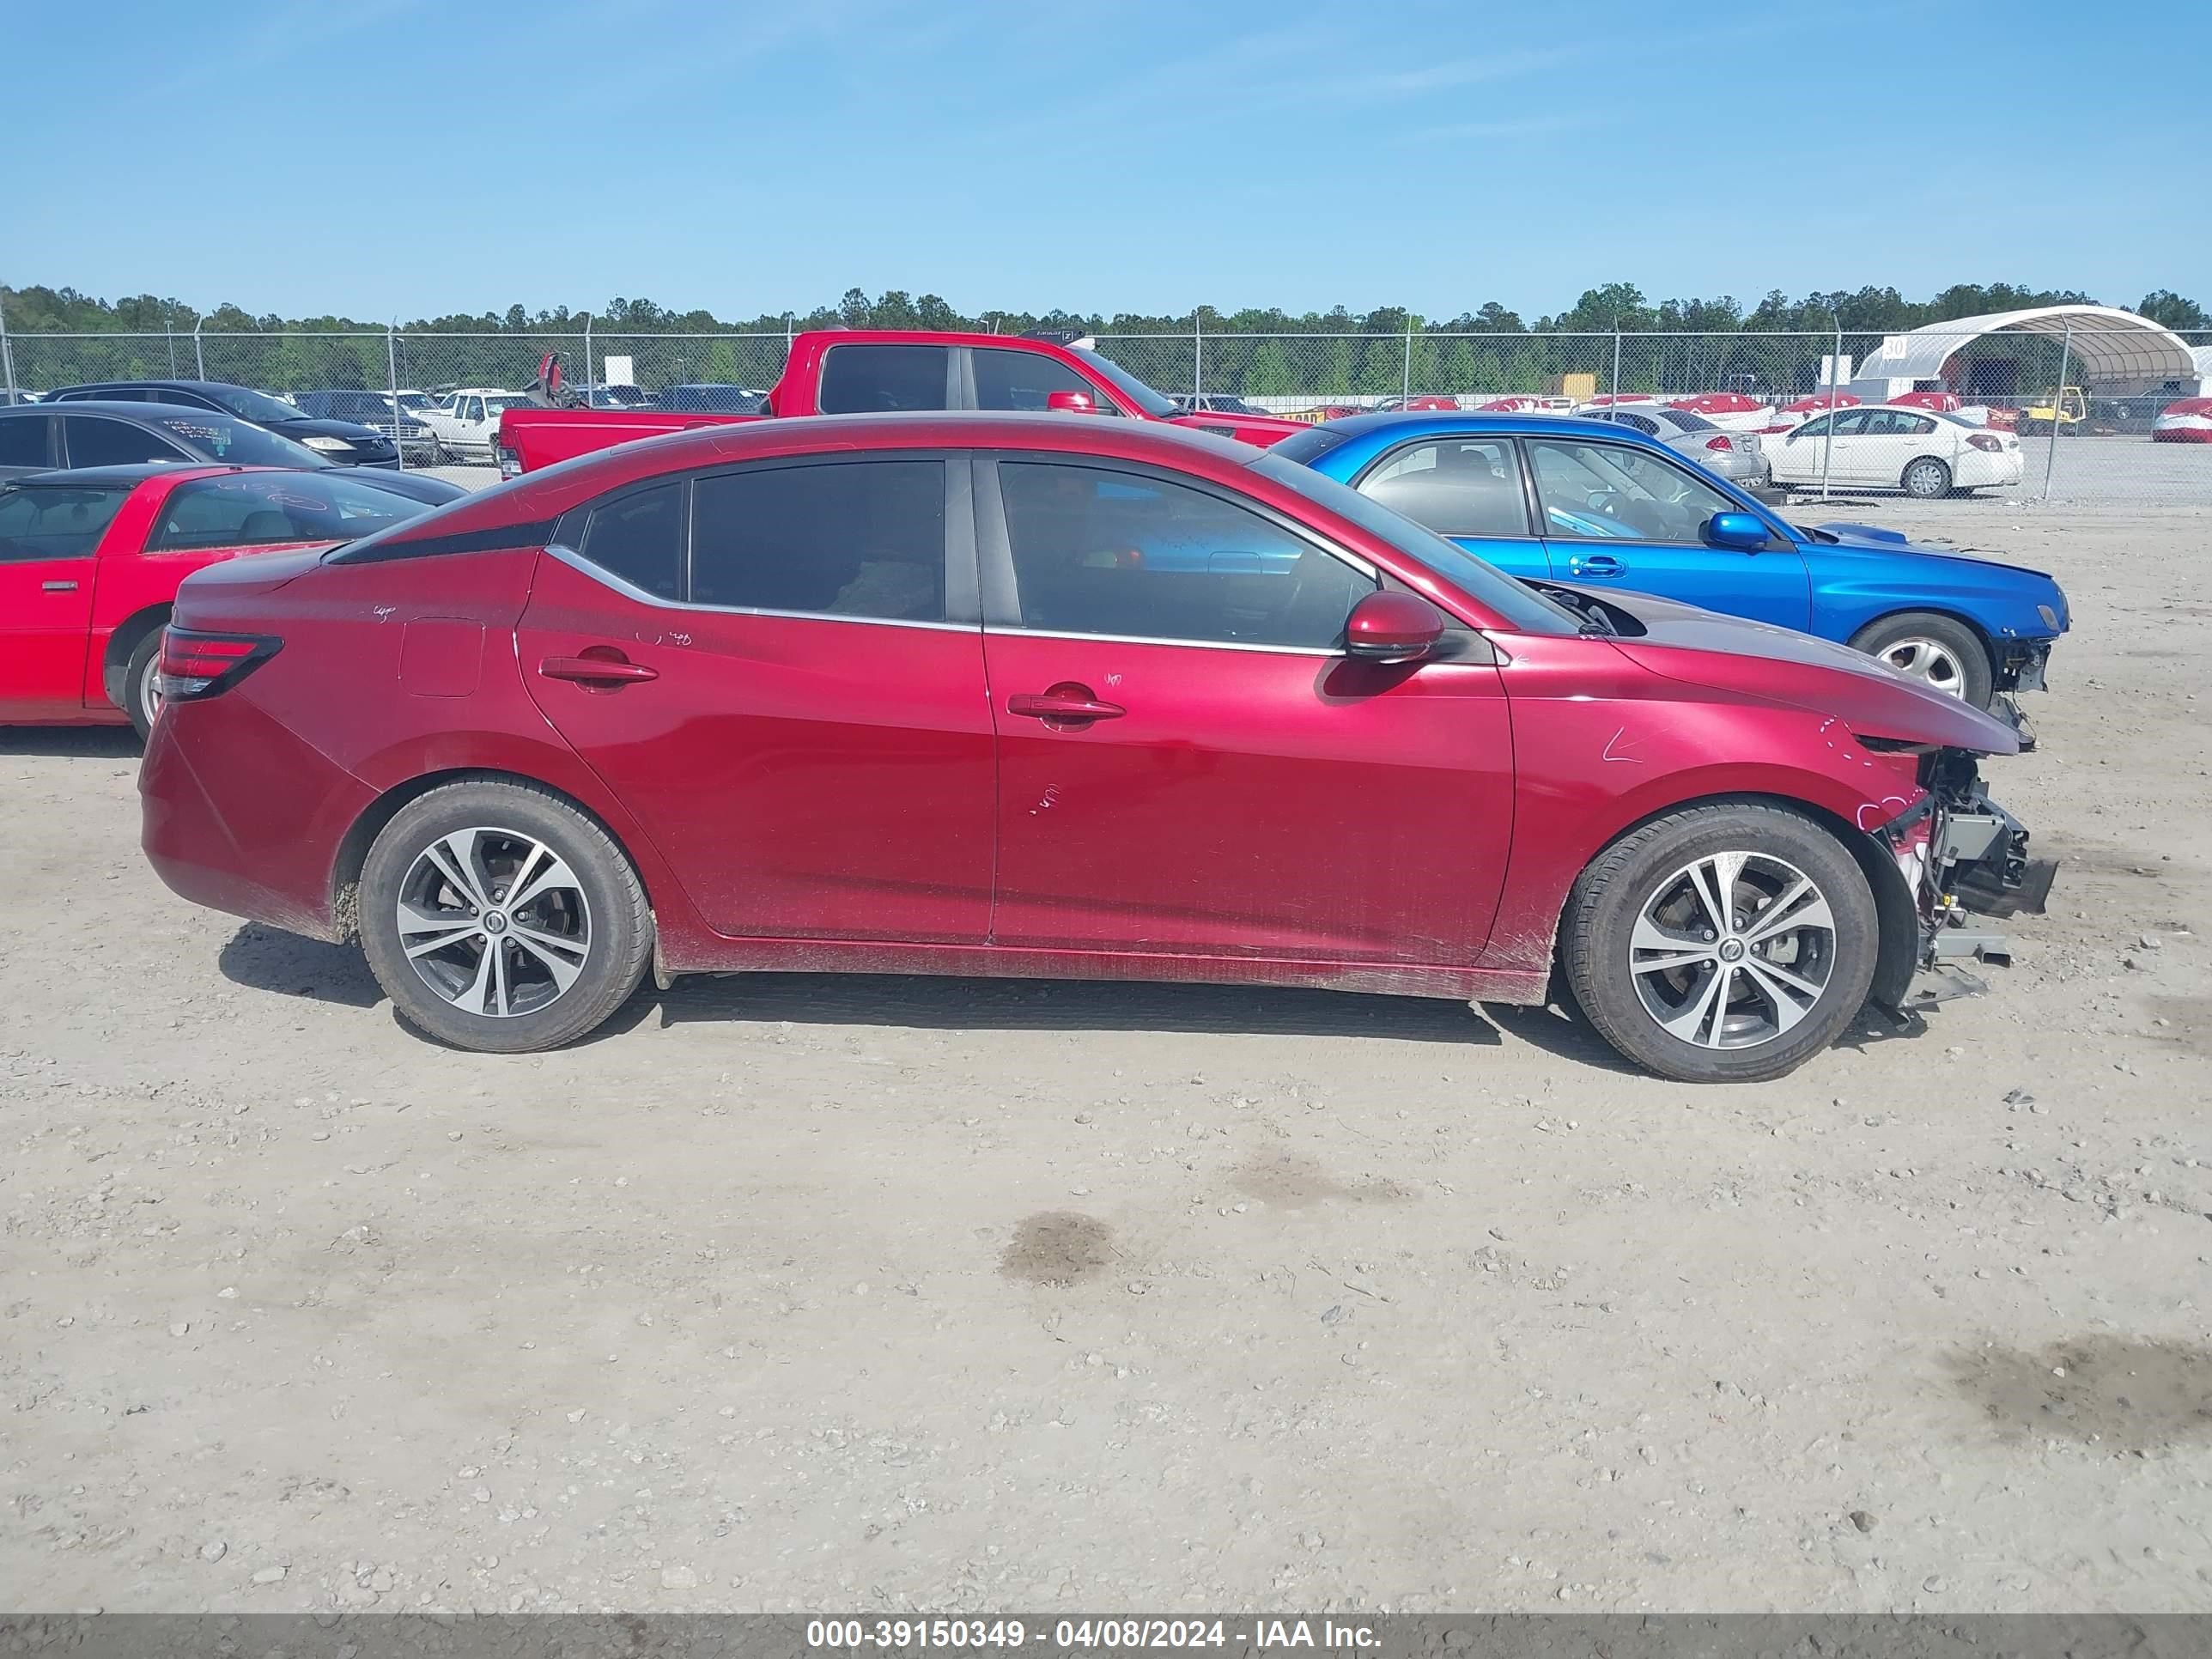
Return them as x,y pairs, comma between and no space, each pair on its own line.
1938,651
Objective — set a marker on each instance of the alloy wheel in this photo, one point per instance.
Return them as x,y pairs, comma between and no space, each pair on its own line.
1733,950
1929,661
494,922
150,688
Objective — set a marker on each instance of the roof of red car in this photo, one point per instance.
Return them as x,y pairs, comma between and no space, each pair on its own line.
540,497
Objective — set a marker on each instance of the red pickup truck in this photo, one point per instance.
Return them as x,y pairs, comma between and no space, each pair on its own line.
854,371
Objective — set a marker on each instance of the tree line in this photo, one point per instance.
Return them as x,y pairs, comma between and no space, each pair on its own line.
1252,351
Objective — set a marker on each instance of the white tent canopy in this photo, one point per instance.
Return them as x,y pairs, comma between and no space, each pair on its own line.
2111,347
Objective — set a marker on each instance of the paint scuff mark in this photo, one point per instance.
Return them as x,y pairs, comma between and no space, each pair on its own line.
1047,800
1617,749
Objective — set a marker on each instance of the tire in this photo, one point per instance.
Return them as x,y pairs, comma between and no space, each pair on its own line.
1937,650
1926,479
140,699
1740,1016
589,925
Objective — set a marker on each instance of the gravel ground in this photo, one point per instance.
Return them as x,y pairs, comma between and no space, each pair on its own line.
793,1293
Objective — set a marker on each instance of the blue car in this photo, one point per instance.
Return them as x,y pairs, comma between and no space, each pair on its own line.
1601,506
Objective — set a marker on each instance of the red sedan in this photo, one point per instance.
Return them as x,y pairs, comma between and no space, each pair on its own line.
1016,695
90,561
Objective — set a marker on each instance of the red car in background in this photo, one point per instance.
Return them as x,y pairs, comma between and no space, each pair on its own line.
2186,421
881,371
90,561
1024,696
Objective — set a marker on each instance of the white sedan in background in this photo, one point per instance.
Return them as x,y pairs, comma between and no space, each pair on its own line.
466,421
1885,447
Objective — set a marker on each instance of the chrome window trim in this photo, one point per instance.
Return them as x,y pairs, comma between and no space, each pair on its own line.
1180,645
578,562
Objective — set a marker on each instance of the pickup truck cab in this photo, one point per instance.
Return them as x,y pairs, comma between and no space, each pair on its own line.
853,372
466,421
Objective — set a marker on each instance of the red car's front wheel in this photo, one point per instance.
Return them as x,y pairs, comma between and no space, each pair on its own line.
1722,943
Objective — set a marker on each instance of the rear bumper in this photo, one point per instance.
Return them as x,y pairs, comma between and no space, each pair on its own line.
272,863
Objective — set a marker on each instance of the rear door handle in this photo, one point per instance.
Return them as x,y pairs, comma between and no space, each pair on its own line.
1071,703
596,671
1598,564
58,588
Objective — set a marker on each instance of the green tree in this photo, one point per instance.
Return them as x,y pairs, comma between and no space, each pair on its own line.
2165,307
1268,375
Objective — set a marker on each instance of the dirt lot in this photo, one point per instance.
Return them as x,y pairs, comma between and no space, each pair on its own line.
871,1293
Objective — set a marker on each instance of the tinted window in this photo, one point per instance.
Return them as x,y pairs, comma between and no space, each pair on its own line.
55,521
640,539
1513,603
858,380
262,509
1100,552
1600,492
1023,379
22,440
1852,424
223,438
856,539
247,404
93,441
1456,487
1684,420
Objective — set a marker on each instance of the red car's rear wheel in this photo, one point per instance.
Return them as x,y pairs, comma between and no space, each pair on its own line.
499,918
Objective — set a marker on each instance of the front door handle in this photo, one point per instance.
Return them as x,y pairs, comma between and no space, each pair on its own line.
1598,564
1065,705
58,588
610,670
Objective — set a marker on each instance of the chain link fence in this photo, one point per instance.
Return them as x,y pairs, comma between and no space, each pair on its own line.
2069,415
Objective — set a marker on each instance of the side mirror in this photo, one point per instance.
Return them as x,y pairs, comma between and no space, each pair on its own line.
1070,403
1744,531
1387,627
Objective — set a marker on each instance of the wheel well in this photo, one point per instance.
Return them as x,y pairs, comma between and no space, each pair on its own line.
1899,952
1988,645
353,848
124,640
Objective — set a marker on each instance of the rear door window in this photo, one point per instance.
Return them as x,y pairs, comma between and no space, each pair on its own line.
640,539
858,380
23,440
95,440
850,538
1454,486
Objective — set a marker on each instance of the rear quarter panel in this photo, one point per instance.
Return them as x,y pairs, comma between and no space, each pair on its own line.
424,651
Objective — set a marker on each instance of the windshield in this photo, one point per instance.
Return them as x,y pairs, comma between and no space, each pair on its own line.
249,509
1689,422
1519,608
496,405
54,521
253,406
414,400
220,439
1151,402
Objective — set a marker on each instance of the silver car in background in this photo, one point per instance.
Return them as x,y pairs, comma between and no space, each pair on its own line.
1736,456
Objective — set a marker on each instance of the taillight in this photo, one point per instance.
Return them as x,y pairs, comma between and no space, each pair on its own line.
1719,443
1985,441
195,665
510,464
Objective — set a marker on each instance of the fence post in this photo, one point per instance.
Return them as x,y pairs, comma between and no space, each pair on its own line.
1407,385
391,369
1613,390
7,357
2058,409
587,357
169,330
199,352
1197,359
1829,437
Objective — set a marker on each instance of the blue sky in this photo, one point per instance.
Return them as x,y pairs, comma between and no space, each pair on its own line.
383,158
